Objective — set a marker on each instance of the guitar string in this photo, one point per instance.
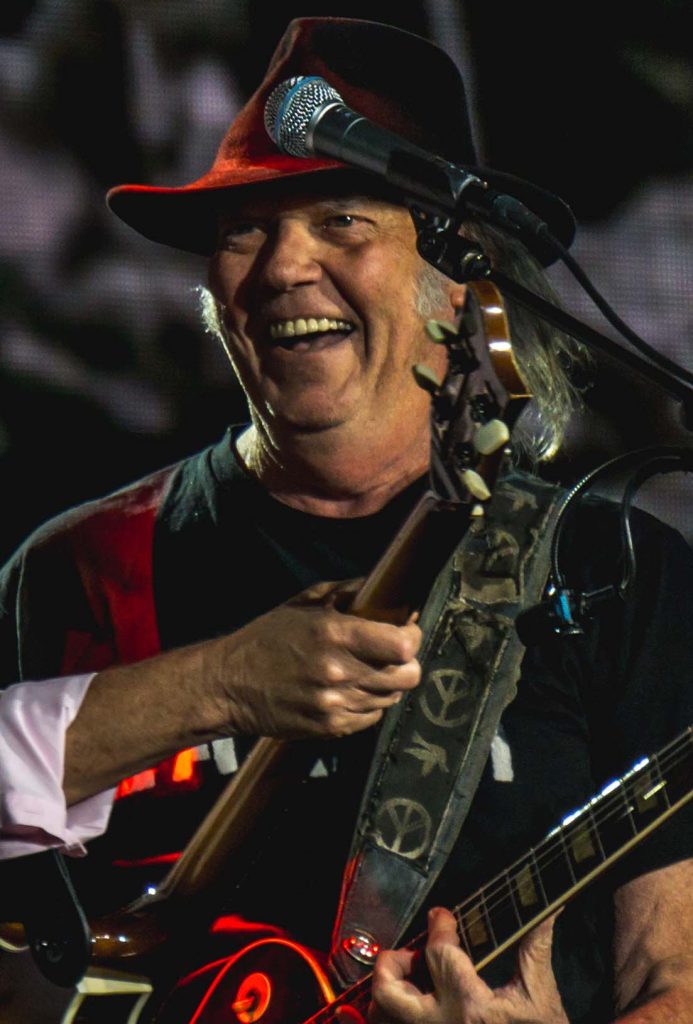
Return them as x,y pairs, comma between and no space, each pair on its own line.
670,756
543,857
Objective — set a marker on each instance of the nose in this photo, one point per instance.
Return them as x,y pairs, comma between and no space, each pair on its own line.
291,257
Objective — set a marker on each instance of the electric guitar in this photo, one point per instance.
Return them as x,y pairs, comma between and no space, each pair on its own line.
275,981
473,411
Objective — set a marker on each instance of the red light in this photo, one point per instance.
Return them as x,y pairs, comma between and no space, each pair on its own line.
362,947
226,965
235,924
147,862
184,765
253,998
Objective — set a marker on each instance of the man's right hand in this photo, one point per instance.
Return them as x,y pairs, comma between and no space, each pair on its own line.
304,669
307,669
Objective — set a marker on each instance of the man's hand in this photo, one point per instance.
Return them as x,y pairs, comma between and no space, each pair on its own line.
460,996
304,669
307,669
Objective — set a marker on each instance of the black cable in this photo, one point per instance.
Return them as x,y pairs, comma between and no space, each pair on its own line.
610,314
581,486
649,461
659,464
563,610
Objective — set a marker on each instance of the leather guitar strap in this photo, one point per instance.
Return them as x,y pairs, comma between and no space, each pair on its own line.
434,744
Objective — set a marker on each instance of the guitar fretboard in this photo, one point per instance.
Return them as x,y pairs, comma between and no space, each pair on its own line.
585,843
574,853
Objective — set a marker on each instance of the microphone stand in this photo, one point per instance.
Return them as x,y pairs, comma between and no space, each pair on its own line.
439,243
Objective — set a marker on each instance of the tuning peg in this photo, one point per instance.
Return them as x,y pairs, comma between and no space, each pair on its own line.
476,485
442,332
426,378
491,436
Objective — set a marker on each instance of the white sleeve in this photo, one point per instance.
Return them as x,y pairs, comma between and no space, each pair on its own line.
34,717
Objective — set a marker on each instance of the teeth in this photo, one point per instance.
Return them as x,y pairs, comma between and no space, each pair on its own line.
300,326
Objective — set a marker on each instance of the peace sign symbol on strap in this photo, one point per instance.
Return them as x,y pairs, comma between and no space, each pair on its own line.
446,701
403,827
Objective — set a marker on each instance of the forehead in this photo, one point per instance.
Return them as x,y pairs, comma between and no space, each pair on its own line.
304,193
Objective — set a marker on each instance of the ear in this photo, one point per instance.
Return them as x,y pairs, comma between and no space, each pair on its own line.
457,294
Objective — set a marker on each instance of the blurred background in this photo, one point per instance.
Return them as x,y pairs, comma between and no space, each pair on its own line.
105,371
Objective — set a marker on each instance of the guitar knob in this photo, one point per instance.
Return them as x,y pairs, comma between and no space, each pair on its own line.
476,485
252,998
441,331
426,378
491,436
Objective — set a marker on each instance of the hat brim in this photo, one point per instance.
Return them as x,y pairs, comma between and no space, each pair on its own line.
187,217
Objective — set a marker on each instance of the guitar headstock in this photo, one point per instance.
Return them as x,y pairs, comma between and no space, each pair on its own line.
474,409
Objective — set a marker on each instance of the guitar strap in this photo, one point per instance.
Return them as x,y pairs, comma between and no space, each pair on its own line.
434,744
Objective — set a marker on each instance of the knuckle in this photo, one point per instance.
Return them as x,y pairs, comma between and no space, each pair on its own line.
412,673
410,638
327,704
405,677
332,628
333,671
337,727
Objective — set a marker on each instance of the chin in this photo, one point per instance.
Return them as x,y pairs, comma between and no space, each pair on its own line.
310,419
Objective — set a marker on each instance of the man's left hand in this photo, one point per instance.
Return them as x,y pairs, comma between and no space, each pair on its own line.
460,996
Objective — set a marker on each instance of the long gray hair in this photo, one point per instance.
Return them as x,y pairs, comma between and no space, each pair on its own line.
545,356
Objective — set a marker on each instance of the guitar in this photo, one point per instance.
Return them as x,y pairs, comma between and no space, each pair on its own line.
275,981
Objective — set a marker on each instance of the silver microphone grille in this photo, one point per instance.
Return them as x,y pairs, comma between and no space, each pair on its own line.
289,109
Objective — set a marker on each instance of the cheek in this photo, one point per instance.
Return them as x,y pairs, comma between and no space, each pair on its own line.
228,282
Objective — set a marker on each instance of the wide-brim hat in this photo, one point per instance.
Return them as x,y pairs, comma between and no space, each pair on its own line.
397,79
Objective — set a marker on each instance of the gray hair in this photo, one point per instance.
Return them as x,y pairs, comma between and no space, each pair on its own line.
545,356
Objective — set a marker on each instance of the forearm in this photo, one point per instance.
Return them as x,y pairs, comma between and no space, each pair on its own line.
302,670
134,716
672,1007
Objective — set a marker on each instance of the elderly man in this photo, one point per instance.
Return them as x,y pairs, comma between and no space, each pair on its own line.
190,613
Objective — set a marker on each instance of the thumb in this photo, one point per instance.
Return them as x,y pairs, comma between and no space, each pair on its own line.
330,594
534,956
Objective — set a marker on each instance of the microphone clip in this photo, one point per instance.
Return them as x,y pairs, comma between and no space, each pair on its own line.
439,243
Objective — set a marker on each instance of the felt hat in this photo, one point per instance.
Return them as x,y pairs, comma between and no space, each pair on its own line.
392,77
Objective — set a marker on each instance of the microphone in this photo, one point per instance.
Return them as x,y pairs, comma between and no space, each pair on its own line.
305,116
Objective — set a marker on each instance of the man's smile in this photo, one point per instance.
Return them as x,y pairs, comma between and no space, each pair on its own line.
309,334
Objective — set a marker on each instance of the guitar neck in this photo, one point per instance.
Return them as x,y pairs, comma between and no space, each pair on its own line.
586,843
582,847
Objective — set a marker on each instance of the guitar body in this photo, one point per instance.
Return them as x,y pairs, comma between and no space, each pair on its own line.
273,981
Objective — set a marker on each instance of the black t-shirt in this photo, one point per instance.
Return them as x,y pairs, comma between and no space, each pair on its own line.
586,709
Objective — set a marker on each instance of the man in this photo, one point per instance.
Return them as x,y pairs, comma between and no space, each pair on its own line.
319,296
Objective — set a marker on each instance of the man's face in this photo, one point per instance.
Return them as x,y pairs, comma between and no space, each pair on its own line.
318,298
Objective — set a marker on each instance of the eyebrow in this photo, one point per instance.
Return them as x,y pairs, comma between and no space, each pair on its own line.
334,202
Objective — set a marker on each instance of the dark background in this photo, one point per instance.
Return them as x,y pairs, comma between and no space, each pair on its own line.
105,372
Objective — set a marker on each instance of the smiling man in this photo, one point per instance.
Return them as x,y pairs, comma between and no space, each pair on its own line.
160,630
318,300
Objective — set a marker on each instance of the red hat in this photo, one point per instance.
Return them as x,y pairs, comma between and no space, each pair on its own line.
395,78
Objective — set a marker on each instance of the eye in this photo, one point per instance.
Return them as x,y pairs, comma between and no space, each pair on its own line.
238,234
341,220
347,228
